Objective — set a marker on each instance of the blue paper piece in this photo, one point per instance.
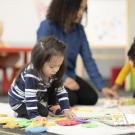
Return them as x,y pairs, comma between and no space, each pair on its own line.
36,129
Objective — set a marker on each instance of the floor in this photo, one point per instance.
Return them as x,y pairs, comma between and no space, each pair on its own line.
84,111
100,129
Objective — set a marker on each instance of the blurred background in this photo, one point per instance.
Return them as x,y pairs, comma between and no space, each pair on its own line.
109,26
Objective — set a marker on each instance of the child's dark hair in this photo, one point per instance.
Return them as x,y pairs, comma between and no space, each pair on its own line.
44,50
131,52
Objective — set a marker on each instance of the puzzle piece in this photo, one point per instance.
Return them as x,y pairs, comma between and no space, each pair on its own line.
82,120
89,125
127,101
3,115
6,120
67,122
36,129
9,123
116,119
50,124
37,122
24,123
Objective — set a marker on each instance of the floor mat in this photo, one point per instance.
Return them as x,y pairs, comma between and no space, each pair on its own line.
21,132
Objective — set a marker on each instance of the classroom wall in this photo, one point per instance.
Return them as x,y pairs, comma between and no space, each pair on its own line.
109,57
132,11
105,65
115,57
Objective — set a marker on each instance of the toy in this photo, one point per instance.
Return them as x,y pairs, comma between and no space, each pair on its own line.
36,129
67,122
3,115
24,123
37,122
82,120
6,120
127,101
89,125
37,125
9,123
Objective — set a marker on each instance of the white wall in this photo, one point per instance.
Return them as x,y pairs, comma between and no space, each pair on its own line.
104,65
105,58
132,11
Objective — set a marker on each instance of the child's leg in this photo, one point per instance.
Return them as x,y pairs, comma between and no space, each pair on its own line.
43,111
86,94
22,112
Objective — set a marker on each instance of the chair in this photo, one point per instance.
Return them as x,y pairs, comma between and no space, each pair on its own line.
6,82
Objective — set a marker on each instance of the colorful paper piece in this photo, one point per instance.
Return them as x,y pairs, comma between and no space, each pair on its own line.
82,120
36,130
67,122
3,115
127,101
89,125
24,123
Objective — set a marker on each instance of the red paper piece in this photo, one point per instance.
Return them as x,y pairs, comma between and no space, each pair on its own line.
67,122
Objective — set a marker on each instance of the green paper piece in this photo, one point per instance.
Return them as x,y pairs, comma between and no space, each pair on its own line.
24,122
89,125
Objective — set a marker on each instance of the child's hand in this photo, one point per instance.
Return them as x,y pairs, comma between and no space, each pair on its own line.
68,113
110,93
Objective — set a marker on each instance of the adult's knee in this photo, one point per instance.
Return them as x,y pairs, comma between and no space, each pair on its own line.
94,100
89,99
73,99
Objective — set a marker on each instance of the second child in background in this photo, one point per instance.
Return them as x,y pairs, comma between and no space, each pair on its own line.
39,80
129,67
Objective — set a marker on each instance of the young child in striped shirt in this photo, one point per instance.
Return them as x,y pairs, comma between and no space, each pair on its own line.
40,80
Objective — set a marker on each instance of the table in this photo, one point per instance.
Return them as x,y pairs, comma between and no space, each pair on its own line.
25,51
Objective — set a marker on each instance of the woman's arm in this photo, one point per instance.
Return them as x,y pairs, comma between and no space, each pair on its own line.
89,62
44,30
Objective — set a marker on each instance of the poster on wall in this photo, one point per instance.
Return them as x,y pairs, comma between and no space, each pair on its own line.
107,23
20,20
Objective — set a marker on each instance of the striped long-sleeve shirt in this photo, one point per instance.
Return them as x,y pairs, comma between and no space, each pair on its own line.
25,87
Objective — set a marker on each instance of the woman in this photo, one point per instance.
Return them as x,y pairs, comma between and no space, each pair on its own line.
63,21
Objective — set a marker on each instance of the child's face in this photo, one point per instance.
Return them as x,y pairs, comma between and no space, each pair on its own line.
51,67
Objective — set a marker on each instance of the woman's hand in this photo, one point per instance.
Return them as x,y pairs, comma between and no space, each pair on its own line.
71,84
109,93
68,113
